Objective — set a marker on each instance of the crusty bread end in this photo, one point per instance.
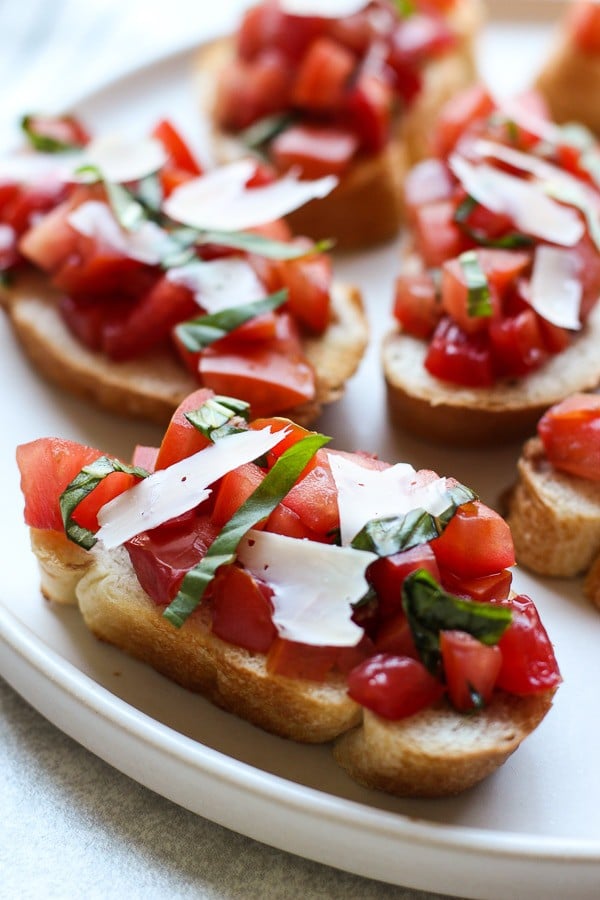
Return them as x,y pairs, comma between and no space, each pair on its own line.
569,82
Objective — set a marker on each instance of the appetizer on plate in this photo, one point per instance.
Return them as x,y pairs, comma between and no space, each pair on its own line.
496,303
348,87
320,594
570,80
554,508
132,277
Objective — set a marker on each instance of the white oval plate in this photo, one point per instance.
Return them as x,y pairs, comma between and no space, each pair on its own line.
532,830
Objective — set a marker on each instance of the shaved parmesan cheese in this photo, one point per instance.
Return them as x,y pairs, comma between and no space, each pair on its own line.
220,200
526,162
314,586
555,290
29,168
365,494
325,9
524,201
148,243
219,283
170,492
121,160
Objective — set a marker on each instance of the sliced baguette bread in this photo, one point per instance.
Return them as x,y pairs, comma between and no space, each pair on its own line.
366,207
569,82
462,416
431,754
152,386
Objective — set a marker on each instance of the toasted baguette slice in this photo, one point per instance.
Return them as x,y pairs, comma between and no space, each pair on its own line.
570,83
434,753
366,207
463,416
554,516
152,386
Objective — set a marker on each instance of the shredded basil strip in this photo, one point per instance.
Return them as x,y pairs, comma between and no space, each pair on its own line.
392,534
262,246
196,334
82,485
508,241
216,414
264,130
478,296
128,211
41,142
405,8
430,609
259,505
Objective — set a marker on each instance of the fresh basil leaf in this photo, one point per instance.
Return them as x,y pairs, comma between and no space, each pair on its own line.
430,609
128,211
405,8
478,296
464,209
262,246
259,505
196,334
41,142
393,534
264,130
215,418
82,485
509,241
150,194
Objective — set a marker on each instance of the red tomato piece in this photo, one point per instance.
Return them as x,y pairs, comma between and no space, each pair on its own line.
583,25
181,439
387,575
456,116
161,557
417,305
470,668
418,38
265,25
570,433
394,687
180,155
312,663
528,661
308,281
517,343
368,107
242,610
249,91
458,357
32,202
285,521
316,150
429,181
354,32
51,240
314,498
484,589
295,433
437,236
395,636
145,457
323,75
476,542
234,489
47,466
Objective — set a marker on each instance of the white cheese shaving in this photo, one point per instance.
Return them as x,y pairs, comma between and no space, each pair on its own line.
148,243
170,492
314,586
219,283
532,211
325,9
365,494
121,159
30,168
220,200
555,290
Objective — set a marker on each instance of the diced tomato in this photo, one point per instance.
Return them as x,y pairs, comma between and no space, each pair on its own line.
249,91
9,251
583,24
394,687
295,433
47,466
456,116
570,432
416,304
471,669
180,155
51,240
316,150
285,521
484,589
354,32
234,489
104,273
242,610
181,439
437,236
145,457
313,663
555,338
518,345
67,130
418,38
31,202
429,181
387,575
528,661
272,376
458,357
314,498
476,542
265,25
161,557
368,106
323,75
308,281
395,636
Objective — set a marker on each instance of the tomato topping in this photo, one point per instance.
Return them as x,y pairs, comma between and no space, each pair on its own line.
181,438
466,107
483,589
471,669
368,106
583,24
517,343
395,636
235,488
394,687
145,457
180,155
306,661
308,281
436,234
322,75
316,150
265,26
416,304
387,575
570,433
249,91
528,662
459,357
427,182
242,610
314,498
476,542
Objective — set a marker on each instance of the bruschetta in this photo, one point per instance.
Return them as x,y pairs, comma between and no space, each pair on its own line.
132,277
570,79
496,302
348,87
321,595
554,508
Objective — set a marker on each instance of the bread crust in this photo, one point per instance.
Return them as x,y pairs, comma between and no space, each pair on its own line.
366,207
152,386
442,412
570,82
434,753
